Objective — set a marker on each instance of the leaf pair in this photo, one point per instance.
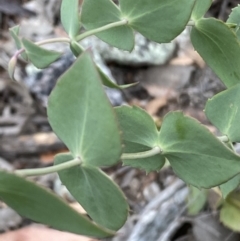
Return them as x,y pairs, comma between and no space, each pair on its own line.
196,155
81,115
157,20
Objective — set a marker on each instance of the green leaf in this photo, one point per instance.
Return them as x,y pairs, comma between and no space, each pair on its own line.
40,205
194,153
223,111
81,115
139,134
158,20
234,17
230,212
40,57
70,17
196,200
219,47
99,13
200,8
137,126
109,83
93,189
230,186
14,31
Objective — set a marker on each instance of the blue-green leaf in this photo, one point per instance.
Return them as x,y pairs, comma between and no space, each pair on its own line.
38,204
40,57
99,13
234,17
70,17
230,212
196,200
230,186
224,112
81,115
148,164
158,20
194,153
219,47
139,134
93,189
200,8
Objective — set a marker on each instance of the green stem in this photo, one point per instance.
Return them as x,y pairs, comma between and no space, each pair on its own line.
152,152
223,138
53,40
77,161
191,23
47,170
98,30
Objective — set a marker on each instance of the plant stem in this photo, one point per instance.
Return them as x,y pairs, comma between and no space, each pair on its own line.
191,23
98,30
53,40
77,161
153,152
223,138
47,170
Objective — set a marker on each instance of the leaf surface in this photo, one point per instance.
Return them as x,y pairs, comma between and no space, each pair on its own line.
230,186
99,13
234,17
81,115
139,134
40,57
219,47
196,200
137,125
158,20
223,111
230,212
38,204
200,8
70,17
93,189
194,153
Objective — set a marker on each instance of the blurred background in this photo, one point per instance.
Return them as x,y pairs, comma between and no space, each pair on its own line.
171,77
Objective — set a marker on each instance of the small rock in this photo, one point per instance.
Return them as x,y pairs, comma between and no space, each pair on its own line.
151,191
208,228
145,52
9,219
128,178
237,148
62,191
4,165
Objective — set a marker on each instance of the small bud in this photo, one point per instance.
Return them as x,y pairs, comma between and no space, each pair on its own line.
11,66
